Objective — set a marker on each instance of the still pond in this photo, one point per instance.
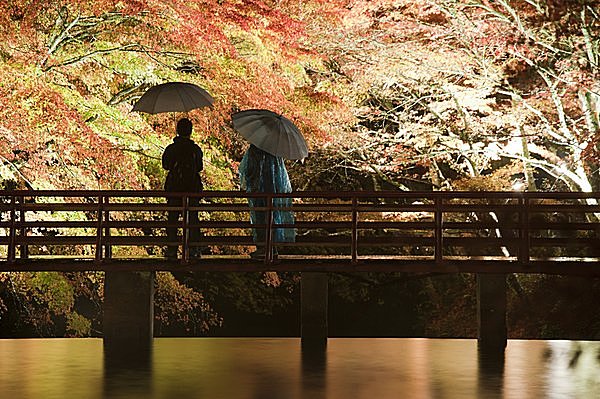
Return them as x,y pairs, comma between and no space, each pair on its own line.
232,368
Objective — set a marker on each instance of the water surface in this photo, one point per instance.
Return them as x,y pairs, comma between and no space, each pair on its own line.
254,368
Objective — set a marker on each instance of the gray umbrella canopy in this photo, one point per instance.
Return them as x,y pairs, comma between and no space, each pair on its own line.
173,97
271,132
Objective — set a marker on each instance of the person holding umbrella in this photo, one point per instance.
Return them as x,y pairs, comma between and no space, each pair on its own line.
262,170
183,159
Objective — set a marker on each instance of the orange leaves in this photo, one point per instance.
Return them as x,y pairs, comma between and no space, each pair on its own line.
200,25
51,144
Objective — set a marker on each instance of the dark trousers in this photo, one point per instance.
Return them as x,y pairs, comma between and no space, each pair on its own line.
173,217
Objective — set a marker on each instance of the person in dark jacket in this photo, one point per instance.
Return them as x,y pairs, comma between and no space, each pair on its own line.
183,159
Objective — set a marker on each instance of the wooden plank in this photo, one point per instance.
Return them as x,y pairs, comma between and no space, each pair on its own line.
138,224
55,240
564,208
320,240
421,225
564,226
137,240
565,242
58,207
480,241
147,207
397,208
514,225
468,208
589,267
55,224
223,224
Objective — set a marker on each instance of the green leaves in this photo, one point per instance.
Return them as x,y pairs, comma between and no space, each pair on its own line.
45,302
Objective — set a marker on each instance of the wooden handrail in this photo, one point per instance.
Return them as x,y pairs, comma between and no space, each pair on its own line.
353,225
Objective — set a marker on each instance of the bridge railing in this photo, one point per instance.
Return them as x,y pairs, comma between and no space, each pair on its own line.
432,226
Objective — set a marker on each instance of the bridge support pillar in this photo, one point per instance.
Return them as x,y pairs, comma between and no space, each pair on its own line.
314,300
491,313
128,322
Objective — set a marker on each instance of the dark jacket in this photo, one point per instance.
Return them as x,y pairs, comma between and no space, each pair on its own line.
183,159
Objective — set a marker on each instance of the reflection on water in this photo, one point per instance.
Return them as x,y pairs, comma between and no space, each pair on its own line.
314,372
490,375
127,372
279,368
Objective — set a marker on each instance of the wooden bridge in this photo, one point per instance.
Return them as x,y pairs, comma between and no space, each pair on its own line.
351,231
488,233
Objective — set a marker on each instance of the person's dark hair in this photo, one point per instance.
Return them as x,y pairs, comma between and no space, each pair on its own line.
184,127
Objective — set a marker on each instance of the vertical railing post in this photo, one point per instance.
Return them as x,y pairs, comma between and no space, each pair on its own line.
438,233
524,231
24,249
12,231
354,243
106,222
269,232
99,227
185,216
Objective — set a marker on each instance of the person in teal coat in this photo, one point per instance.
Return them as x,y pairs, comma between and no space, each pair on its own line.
261,172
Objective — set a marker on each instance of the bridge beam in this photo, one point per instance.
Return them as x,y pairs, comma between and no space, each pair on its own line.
314,301
128,322
491,312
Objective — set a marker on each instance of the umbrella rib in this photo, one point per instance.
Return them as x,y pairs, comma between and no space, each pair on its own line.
181,94
289,137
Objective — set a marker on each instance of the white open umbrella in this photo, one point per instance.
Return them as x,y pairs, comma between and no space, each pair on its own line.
271,132
173,97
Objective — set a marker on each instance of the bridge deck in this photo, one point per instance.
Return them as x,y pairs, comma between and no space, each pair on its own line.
296,263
